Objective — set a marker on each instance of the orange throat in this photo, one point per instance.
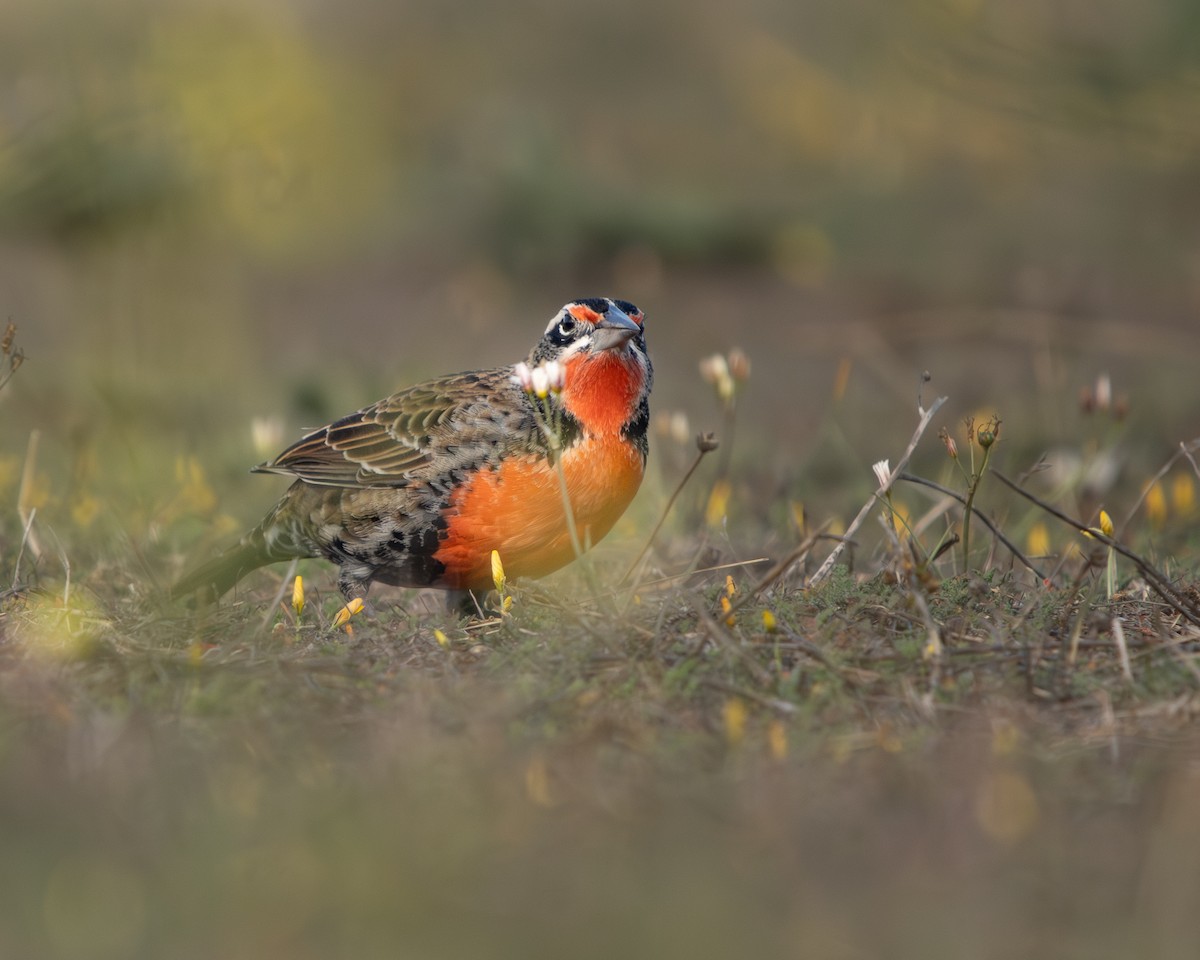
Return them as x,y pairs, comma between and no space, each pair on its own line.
603,392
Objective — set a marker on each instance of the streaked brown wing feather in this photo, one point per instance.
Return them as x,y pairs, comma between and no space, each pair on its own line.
385,444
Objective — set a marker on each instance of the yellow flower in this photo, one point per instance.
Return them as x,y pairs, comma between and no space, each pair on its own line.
797,510
718,503
730,588
1037,543
1106,524
887,740
195,495
1156,506
777,743
498,577
733,715
298,595
34,493
537,782
726,607
769,624
1006,806
84,510
349,610
441,638
1183,494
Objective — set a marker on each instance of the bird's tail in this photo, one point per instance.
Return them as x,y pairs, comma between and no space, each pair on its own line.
214,578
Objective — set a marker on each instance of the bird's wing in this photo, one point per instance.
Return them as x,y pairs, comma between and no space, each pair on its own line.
394,441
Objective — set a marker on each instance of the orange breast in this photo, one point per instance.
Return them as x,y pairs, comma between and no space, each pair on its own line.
518,510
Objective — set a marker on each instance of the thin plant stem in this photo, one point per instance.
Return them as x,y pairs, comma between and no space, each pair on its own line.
778,570
550,425
926,418
705,448
1157,580
983,518
1186,448
969,506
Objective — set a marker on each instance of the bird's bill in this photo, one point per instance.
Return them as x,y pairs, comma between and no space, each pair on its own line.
614,331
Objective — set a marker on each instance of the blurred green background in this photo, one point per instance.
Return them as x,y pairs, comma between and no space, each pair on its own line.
211,210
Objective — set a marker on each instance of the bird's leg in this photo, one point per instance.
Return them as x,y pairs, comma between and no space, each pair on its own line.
355,588
352,587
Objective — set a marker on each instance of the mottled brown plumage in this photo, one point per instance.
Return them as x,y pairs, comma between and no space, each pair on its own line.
418,489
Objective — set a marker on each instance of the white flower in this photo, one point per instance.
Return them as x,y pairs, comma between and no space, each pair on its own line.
883,473
715,370
522,376
556,375
542,380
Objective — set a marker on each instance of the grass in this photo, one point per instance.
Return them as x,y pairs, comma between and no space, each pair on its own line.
212,214
721,757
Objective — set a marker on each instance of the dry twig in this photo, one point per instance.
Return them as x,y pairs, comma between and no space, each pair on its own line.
926,418
1156,579
912,478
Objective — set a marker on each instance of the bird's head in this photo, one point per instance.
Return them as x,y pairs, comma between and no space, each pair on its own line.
601,346
591,327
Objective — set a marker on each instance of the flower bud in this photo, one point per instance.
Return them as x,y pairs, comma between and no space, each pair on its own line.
522,376
739,365
498,577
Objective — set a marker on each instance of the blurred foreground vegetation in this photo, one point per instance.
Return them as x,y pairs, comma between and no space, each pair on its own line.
221,223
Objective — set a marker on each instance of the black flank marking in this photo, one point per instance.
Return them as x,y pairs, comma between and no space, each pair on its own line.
430,541
637,429
398,541
569,430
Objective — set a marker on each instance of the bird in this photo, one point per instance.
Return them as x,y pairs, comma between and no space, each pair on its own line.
418,489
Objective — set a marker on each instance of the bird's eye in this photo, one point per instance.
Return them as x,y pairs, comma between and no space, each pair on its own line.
567,326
